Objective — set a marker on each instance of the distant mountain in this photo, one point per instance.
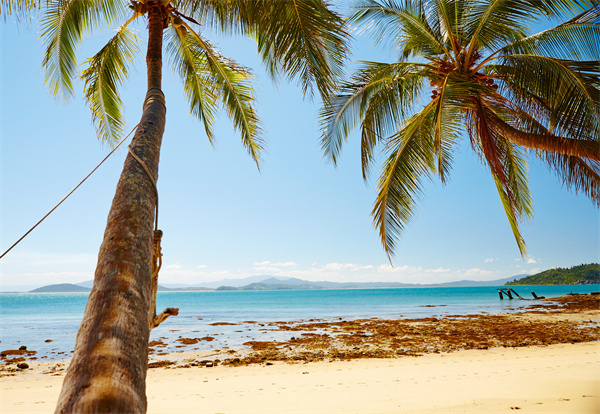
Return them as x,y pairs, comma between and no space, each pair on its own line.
267,282
240,282
273,283
497,282
585,274
185,288
60,288
87,284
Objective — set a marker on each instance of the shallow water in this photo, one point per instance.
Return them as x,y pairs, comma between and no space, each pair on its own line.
31,319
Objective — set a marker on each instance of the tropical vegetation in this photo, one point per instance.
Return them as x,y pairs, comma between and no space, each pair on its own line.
471,71
299,39
582,274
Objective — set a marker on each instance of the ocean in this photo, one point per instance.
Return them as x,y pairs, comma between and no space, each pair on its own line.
48,322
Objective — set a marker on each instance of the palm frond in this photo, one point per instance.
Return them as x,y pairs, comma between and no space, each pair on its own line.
492,24
568,89
448,21
199,83
378,97
451,101
303,39
507,165
105,73
573,41
63,24
228,16
412,157
405,22
577,174
19,8
232,83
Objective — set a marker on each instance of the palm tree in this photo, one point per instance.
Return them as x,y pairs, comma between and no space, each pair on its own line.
302,39
471,66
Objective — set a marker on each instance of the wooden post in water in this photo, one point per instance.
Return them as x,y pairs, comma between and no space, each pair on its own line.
513,291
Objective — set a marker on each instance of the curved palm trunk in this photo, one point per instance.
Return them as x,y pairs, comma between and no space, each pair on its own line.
567,146
108,369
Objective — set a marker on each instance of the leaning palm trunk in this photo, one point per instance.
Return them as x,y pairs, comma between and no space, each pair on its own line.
583,148
108,370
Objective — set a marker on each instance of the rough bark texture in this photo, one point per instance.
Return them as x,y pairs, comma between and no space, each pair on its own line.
108,371
583,148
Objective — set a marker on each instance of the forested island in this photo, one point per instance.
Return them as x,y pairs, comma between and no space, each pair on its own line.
585,274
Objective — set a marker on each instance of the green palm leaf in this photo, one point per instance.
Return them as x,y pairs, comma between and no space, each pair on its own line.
577,174
570,96
200,85
20,8
575,41
507,165
106,72
412,157
493,23
229,16
381,95
448,22
63,24
303,39
405,22
232,83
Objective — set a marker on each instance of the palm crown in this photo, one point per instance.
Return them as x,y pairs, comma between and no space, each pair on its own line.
301,39
478,74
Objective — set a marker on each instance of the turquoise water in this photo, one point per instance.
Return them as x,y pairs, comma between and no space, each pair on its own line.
32,318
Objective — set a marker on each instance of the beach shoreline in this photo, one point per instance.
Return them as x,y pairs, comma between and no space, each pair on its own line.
561,378
544,359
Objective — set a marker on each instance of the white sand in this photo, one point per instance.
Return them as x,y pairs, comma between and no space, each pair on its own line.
553,379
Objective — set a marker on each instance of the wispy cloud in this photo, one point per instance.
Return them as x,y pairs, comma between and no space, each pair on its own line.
476,272
271,264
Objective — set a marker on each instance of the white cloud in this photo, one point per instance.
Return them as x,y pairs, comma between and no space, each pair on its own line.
476,272
173,266
439,270
531,260
489,260
271,264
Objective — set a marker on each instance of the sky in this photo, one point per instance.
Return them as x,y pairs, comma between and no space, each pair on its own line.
299,216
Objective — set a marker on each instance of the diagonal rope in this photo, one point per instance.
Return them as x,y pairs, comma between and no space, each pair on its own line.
71,192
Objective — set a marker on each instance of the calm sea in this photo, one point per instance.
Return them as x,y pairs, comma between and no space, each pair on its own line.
31,319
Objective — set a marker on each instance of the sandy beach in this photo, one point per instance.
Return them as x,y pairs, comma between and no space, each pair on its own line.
563,378
549,363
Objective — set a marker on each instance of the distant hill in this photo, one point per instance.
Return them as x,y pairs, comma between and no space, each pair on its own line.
266,282
273,283
60,288
585,274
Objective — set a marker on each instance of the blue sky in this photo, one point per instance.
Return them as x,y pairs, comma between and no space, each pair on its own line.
299,216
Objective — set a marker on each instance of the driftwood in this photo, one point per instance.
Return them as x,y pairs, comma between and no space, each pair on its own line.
509,291
158,319
536,296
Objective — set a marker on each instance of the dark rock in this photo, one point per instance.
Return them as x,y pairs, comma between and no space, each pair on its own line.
22,348
23,365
